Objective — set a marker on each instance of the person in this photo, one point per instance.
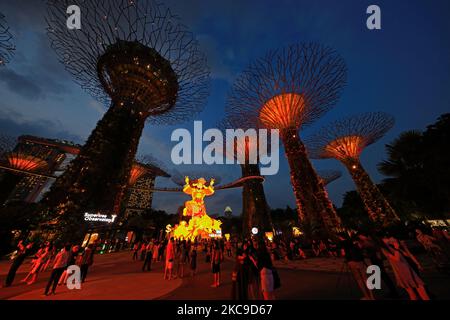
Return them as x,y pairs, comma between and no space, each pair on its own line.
61,261
72,261
87,260
433,249
193,260
142,251
183,259
315,248
41,258
265,267
148,257
355,261
161,248
404,273
252,271
228,247
135,251
373,252
22,252
170,255
156,251
216,259
239,277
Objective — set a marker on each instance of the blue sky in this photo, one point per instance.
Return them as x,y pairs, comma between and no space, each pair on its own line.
403,69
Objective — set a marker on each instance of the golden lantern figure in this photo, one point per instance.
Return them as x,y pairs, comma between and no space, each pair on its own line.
345,140
287,90
199,224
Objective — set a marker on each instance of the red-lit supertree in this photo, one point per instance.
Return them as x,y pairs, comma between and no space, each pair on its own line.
18,160
287,90
6,42
138,57
255,210
344,140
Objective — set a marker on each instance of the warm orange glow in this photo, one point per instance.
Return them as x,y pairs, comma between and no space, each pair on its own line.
345,147
269,236
137,171
25,162
283,111
200,223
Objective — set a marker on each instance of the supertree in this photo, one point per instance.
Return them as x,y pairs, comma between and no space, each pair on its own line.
287,90
138,57
145,165
7,47
328,176
19,160
344,140
255,210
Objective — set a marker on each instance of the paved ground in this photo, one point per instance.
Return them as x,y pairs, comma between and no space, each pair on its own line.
116,276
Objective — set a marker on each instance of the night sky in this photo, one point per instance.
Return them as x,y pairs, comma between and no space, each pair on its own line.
403,69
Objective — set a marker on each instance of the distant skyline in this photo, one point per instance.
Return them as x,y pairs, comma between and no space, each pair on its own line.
403,69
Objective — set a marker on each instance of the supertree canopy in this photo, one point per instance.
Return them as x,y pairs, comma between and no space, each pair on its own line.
328,176
140,58
7,47
345,140
287,90
145,165
255,210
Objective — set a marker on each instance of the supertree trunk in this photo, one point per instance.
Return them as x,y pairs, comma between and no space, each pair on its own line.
379,210
255,211
313,205
98,177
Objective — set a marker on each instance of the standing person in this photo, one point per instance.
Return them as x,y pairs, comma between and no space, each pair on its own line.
161,248
72,261
41,260
266,272
170,255
239,289
87,260
22,253
373,252
216,259
184,258
148,257
355,261
61,261
156,251
142,251
404,273
193,260
135,251
228,248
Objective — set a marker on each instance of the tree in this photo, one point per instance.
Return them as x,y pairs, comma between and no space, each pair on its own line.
418,170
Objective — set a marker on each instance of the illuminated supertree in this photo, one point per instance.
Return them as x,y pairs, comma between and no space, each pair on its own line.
344,140
7,47
255,210
19,160
145,165
287,90
328,176
138,57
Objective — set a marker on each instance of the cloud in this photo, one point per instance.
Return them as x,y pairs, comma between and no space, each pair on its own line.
20,84
13,123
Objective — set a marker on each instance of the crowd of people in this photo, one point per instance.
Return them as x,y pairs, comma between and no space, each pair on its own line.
254,275
47,256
